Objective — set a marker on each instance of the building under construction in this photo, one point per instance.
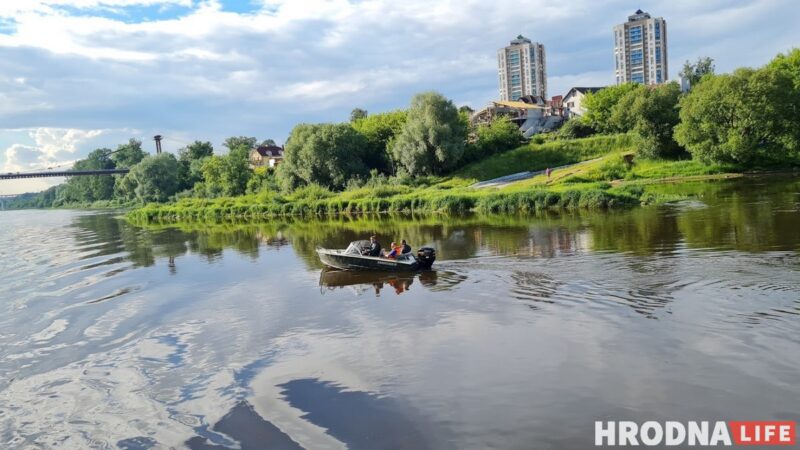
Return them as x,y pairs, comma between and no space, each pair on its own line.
530,113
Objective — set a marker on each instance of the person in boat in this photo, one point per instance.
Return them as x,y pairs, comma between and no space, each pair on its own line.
405,247
395,252
374,247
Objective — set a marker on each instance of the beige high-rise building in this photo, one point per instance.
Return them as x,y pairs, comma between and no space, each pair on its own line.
521,68
640,50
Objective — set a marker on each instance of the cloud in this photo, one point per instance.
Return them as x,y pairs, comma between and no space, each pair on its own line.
49,146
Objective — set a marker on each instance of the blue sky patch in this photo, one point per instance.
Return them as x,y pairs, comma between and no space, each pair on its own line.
129,14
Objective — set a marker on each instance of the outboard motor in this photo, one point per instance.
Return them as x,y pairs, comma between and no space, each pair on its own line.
426,256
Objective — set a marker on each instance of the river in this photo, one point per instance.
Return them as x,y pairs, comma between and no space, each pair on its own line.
528,331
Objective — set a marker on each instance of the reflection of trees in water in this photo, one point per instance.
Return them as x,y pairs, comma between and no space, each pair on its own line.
750,215
99,232
641,231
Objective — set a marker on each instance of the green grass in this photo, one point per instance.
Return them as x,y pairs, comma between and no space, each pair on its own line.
534,157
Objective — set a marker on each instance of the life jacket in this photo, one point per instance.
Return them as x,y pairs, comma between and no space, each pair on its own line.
396,250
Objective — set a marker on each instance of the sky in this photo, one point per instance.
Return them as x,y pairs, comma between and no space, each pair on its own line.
76,75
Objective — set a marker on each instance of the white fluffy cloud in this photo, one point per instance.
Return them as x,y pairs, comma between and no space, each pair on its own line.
202,70
50,148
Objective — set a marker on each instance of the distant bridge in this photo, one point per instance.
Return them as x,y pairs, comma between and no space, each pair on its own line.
62,173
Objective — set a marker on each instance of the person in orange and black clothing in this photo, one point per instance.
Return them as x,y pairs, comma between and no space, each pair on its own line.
395,251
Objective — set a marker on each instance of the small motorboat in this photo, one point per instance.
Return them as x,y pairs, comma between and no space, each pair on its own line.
353,258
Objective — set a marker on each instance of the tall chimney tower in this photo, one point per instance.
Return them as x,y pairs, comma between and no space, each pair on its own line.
157,138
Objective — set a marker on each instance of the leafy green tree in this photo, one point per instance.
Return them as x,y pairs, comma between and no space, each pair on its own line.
91,188
324,154
379,130
240,146
237,164
154,179
655,114
744,117
575,128
695,72
268,142
433,137
223,176
623,118
599,106
128,155
214,184
465,109
496,137
263,180
358,114
191,159
195,151
788,66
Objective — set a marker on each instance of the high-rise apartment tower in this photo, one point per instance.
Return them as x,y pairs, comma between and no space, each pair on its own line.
640,50
521,68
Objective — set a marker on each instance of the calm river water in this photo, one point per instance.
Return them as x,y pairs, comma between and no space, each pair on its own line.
529,329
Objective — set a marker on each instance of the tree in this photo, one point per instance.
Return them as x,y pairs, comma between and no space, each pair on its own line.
745,117
223,175
432,139
324,154
695,72
623,118
498,136
357,114
237,164
91,188
788,66
213,184
154,179
267,143
191,159
128,155
239,147
263,180
379,130
655,113
600,104
195,151
575,128
465,109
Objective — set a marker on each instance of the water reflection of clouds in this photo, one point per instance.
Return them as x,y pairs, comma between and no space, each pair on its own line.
246,341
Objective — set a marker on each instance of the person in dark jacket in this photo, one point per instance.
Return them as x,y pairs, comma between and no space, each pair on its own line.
406,247
374,248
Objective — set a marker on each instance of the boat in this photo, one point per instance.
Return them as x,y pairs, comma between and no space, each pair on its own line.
352,258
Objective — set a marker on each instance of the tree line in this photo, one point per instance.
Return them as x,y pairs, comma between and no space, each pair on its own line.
431,137
747,118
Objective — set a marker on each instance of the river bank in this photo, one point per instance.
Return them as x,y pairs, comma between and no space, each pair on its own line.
603,176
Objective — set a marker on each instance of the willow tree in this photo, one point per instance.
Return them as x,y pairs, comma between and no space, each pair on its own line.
433,137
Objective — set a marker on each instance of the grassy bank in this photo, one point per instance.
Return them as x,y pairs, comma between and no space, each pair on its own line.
603,180
535,157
